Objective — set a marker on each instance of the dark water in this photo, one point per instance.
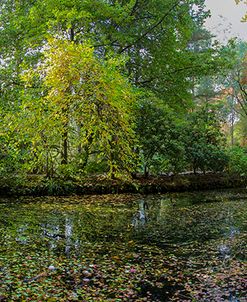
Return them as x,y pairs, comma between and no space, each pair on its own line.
177,247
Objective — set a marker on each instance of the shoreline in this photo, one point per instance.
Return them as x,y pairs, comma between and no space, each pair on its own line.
140,185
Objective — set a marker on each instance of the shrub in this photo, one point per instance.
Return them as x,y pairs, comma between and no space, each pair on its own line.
237,161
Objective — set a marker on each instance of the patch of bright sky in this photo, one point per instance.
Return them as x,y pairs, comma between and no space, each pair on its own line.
225,22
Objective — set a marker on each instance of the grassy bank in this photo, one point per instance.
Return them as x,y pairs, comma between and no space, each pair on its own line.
40,186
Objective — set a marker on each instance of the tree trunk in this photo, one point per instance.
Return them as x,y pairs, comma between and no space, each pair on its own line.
146,172
65,148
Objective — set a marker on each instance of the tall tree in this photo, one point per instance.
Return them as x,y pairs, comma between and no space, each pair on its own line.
85,102
153,34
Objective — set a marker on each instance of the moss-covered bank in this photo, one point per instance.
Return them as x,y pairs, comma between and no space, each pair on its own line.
39,186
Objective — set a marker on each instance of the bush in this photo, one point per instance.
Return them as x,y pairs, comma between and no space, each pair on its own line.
238,161
216,159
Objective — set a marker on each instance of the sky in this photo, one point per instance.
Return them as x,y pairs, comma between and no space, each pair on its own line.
225,22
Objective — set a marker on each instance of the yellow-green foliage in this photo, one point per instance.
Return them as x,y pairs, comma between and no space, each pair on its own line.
81,92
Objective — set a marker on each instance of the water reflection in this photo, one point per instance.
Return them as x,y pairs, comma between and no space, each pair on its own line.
52,231
68,235
140,218
21,234
182,228
153,219
224,251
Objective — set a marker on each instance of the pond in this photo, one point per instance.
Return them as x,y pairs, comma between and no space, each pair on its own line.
174,247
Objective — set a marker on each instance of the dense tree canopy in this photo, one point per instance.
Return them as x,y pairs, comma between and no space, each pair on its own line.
108,86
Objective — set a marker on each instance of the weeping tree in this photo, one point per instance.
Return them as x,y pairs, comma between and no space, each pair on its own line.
80,109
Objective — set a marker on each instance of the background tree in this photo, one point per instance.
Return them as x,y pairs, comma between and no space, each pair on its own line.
159,135
204,140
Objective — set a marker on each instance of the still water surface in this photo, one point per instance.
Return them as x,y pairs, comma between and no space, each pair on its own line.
176,247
